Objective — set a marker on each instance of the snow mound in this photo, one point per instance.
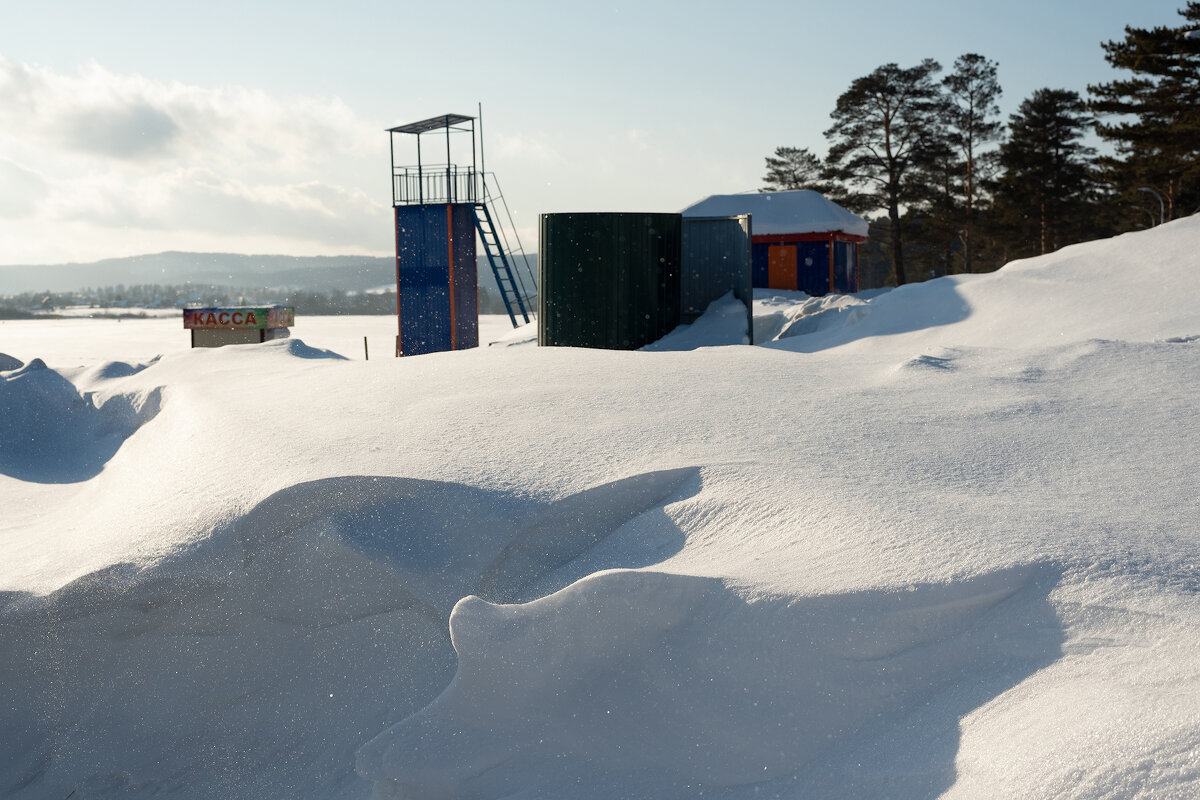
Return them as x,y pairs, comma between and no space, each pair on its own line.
297,348
1056,298
217,651
279,348
724,322
111,370
291,346
50,433
272,635
449,540
522,335
672,684
783,314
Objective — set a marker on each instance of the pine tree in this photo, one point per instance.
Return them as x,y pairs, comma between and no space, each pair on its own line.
1153,116
933,226
794,168
972,122
1046,188
885,130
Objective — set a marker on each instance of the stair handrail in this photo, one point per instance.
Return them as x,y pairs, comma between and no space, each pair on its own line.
498,201
510,292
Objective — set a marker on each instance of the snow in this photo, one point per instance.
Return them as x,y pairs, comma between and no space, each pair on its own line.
795,211
723,322
938,541
79,340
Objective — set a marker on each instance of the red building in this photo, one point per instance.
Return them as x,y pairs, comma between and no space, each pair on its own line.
801,240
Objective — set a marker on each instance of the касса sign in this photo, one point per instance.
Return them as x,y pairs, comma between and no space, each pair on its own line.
264,318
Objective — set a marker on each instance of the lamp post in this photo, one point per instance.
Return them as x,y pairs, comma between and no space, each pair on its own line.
1162,209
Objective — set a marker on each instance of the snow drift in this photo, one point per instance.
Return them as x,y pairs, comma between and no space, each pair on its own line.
50,432
644,684
932,542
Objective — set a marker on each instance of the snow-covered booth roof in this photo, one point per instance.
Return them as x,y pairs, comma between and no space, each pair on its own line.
801,240
773,213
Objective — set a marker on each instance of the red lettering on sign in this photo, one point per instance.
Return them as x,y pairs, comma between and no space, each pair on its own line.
238,318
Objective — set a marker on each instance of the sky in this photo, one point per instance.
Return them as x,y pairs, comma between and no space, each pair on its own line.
136,126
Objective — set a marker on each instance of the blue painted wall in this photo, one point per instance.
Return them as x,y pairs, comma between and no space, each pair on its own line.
432,243
812,267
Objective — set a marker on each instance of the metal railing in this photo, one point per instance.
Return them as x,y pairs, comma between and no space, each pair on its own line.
435,183
448,183
513,248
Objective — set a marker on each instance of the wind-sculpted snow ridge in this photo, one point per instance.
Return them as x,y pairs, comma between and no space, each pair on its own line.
50,433
112,370
803,324
785,314
722,323
644,684
262,658
297,348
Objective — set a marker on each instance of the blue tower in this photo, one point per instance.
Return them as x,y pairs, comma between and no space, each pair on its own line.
439,208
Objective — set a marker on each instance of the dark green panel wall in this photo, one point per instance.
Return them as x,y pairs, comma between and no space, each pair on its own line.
608,280
716,260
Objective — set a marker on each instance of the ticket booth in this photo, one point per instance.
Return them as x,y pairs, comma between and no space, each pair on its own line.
217,327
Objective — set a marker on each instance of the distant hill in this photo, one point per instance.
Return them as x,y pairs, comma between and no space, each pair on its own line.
351,273
319,273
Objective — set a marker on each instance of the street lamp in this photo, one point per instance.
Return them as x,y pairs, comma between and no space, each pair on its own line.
1162,209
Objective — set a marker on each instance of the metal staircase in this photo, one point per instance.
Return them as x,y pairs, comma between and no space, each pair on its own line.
502,251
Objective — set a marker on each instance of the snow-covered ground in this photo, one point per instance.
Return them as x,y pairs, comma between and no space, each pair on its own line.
935,542
82,341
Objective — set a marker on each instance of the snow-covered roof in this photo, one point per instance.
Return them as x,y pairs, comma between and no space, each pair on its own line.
799,211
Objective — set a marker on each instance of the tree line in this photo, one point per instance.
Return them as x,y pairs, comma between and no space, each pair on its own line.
956,189
312,302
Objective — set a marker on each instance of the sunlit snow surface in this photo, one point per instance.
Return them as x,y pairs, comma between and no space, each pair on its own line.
939,541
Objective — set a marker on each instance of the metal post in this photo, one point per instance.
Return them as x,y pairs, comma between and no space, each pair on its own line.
1162,213
420,174
832,281
482,177
449,186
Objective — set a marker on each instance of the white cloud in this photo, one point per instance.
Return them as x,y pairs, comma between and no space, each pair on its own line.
201,200
21,190
98,151
100,113
135,131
